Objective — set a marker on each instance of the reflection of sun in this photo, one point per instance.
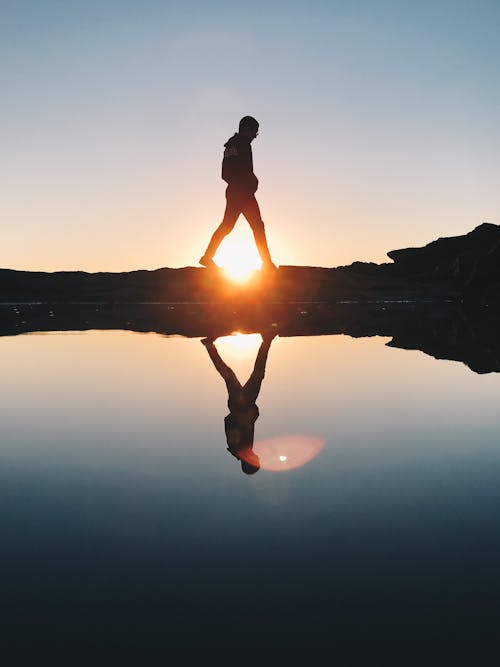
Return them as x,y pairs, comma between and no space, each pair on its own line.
239,258
239,352
239,345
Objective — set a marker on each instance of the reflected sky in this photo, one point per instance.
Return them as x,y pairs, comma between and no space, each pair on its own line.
121,497
135,389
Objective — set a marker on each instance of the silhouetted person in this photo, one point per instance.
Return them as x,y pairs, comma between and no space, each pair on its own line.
243,412
237,171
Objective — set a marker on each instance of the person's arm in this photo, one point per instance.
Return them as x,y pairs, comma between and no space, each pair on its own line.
254,382
231,168
237,167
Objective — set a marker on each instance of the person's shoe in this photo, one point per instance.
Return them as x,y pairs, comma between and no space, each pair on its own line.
208,262
268,334
269,266
207,341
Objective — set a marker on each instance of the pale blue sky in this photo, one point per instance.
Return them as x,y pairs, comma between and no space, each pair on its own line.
379,127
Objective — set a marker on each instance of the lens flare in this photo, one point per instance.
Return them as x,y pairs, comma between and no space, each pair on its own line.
287,452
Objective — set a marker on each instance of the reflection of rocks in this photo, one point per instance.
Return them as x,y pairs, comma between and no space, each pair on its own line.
454,280
461,267
442,330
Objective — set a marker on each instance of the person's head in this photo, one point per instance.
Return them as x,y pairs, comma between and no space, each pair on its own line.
248,127
250,462
249,468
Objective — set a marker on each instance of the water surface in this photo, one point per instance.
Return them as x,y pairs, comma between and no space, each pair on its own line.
128,525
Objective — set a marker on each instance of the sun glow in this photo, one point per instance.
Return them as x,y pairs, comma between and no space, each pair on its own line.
240,345
238,258
239,351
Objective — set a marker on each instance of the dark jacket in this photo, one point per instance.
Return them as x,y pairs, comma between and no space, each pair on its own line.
237,165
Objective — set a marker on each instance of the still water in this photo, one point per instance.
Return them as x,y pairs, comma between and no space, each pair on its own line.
371,513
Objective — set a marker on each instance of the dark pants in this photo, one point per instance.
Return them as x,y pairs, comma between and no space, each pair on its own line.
238,394
237,203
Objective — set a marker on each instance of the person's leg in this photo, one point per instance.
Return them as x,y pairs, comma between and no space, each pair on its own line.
229,376
252,386
251,211
231,215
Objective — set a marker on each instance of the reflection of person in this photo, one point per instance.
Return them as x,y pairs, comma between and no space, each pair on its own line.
237,171
243,412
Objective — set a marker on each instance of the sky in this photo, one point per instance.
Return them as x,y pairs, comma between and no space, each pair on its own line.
378,127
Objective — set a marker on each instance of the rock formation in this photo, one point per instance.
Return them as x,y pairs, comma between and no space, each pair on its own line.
458,268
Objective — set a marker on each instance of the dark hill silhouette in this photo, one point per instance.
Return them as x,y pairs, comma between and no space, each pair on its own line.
470,263
457,268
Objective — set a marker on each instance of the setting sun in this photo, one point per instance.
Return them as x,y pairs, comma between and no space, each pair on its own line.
238,257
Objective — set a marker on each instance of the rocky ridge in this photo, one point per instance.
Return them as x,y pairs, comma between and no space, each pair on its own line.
460,268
